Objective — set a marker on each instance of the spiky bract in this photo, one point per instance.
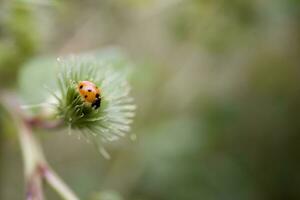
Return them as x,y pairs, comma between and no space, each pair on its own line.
112,120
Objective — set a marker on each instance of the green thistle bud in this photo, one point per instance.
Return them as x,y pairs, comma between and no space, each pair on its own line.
113,118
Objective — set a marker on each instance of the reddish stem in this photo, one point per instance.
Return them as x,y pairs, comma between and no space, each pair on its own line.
42,123
34,190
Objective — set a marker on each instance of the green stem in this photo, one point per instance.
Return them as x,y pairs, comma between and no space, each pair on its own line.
36,167
58,185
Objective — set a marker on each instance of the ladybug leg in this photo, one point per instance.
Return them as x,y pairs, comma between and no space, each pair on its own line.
96,104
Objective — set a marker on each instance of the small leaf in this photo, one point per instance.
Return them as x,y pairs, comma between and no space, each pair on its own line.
34,76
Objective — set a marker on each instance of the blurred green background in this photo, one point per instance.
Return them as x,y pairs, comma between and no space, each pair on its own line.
217,84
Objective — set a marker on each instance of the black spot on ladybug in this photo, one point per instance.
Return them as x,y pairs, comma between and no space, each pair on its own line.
85,96
97,95
81,87
89,90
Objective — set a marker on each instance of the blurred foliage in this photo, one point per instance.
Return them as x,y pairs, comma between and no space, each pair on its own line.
18,38
216,83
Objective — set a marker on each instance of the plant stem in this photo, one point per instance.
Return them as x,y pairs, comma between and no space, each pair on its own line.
57,184
36,167
44,124
34,190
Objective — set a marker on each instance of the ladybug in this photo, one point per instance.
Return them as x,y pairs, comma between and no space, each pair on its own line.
90,93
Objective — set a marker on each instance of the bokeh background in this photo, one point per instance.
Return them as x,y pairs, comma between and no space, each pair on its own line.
217,84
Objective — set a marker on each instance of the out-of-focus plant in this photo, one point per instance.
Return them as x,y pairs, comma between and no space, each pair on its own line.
18,38
66,108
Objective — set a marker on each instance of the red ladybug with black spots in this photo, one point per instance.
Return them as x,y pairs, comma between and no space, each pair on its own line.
90,93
